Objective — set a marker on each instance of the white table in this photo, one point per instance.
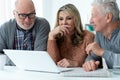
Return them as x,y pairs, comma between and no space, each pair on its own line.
12,73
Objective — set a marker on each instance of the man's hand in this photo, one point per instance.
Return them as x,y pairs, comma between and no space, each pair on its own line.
91,65
95,48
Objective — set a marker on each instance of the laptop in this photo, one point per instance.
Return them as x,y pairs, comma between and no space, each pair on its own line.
33,61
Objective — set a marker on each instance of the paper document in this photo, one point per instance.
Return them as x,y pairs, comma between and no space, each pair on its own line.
79,72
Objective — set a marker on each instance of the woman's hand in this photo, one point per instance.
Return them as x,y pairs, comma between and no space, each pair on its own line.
61,30
67,63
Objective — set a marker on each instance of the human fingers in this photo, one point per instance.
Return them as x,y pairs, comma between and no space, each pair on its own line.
91,47
65,30
88,49
89,66
57,31
97,64
63,63
54,32
96,49
94,65
86,66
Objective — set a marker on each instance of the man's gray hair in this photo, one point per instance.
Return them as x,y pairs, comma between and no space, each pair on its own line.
108,6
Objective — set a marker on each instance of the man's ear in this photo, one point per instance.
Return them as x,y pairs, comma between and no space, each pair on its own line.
109,17
14,12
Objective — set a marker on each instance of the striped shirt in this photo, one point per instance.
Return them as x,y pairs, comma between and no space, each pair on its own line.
24,40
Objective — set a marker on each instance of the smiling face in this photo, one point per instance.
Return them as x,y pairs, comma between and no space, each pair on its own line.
22,8
65,18
98,19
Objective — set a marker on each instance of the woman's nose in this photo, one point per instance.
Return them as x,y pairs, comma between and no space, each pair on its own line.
64,22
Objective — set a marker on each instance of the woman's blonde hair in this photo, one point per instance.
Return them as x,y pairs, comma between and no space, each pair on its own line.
78,33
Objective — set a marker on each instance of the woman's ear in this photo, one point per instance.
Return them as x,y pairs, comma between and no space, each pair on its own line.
109,17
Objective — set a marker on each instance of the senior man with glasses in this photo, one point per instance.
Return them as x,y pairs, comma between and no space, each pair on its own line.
26,31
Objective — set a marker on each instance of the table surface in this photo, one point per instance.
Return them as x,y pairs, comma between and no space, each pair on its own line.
13,73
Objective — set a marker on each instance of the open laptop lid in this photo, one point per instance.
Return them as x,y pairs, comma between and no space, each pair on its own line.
32,60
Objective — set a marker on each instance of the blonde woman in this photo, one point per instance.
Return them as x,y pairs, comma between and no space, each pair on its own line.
67,41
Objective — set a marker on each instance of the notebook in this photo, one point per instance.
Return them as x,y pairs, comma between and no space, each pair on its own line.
79,72
33,61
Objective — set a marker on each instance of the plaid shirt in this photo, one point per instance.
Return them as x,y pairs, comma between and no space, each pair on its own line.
23,40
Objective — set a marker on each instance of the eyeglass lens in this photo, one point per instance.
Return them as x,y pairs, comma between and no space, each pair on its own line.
23,16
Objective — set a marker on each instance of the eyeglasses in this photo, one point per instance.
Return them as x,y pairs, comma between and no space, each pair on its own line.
23,16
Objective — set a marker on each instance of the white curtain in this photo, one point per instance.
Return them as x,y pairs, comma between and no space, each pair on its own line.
7,7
